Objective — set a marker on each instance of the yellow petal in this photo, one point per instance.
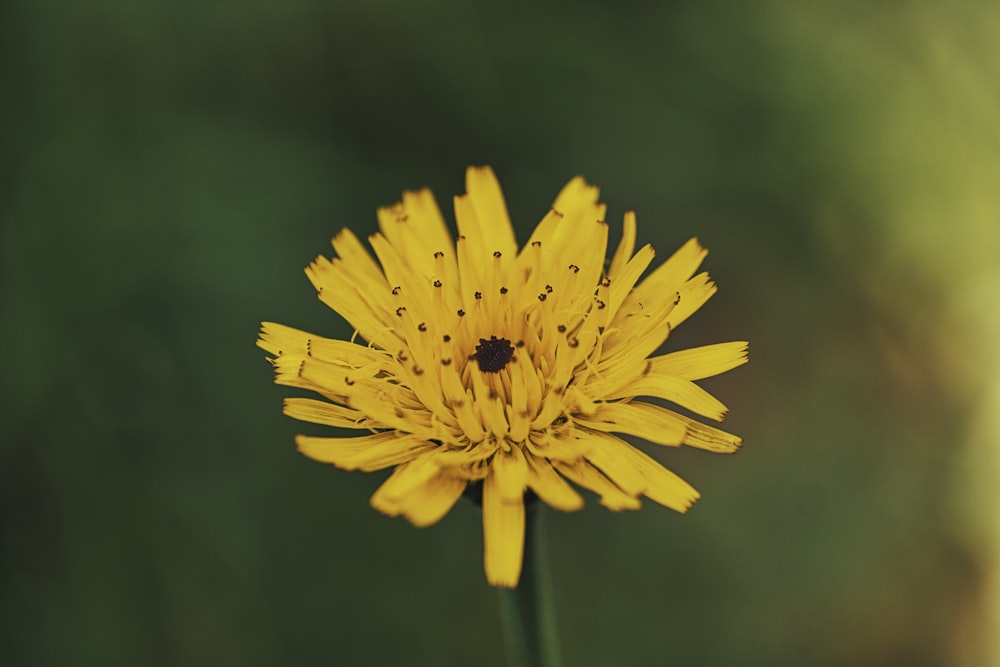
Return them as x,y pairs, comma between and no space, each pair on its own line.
625,247
669,276
426,219
288,372
582,241
386,496
503,535
694,293
701,362
682,392
636,473
482,216
565,449
511,471
408,476
384,408
550,487
544,230
279,339
647,421
576,195
346,294
323,412
414,284
356,258
574,232
612,497
472,256
368,452
661,426
422,500
428,503
703,436
417,229
658,304
491,209
623,283
639,327
607,453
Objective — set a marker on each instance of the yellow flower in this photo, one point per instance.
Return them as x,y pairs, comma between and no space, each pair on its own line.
513,368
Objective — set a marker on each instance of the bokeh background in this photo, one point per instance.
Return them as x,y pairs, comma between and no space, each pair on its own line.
168,169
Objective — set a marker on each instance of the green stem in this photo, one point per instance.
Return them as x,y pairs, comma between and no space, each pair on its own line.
527,612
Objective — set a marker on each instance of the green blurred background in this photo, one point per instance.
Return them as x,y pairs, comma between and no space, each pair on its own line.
168,169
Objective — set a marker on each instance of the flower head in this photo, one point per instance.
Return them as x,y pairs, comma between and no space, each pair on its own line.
510,367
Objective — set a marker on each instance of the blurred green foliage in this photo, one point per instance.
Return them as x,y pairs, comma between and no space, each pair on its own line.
168,169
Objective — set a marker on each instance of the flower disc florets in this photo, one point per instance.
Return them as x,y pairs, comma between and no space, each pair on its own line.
492,355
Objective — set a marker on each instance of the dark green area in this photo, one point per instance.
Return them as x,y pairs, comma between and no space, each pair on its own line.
168,169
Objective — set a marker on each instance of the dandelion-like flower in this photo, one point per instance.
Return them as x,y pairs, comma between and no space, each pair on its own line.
511,368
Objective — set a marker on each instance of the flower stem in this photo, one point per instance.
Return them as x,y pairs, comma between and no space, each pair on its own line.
527,612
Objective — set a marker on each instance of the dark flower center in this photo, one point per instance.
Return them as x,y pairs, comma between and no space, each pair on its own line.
493,354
